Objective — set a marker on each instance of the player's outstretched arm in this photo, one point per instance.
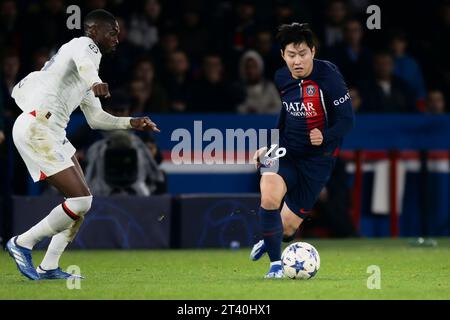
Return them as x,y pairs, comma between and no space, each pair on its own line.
97,118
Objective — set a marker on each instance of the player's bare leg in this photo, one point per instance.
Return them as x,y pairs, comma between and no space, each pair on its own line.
63,217
60,241
273,189
70,182
291,223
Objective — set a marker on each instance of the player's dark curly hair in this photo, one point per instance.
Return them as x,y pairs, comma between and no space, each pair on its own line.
295,33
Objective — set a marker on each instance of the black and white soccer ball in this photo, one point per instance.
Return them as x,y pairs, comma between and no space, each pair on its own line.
300,260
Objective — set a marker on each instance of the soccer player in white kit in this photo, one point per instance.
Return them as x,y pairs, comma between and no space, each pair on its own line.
48,97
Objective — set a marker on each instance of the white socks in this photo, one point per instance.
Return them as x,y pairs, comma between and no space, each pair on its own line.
52,224
59,219
58,245
55,250
275,263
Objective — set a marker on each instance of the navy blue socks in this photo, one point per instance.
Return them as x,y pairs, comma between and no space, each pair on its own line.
272,230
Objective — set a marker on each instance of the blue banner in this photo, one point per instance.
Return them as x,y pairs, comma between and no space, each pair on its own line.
120,222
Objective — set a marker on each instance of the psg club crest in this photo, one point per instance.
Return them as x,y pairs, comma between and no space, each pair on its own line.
310,90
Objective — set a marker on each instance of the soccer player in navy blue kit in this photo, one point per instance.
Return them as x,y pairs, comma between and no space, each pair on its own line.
316,113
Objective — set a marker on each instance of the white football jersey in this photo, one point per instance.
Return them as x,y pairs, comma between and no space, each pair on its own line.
64,83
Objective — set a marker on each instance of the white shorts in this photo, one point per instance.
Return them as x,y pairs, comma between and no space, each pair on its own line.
45,151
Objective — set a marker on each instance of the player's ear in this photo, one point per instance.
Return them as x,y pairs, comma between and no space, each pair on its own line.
95,30
313,51
88,31
282,53
92,30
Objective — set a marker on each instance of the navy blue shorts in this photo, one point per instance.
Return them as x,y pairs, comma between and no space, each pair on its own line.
305,178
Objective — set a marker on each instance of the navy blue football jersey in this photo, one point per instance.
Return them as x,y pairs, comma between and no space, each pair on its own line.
320,101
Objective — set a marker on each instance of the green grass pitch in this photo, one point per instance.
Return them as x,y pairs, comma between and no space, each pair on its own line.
406,273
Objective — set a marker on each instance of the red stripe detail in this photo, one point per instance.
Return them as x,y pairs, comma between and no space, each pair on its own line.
33,113
313,104
268,234
69,212
336,152
303,211
393,159
43,176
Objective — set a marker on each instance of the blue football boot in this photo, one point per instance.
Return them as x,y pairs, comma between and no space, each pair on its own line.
22,257
275,272
258,250
56,274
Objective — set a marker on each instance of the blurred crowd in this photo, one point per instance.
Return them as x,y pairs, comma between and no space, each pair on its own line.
220,56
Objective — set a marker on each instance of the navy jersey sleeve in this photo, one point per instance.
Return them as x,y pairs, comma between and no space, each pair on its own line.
338,99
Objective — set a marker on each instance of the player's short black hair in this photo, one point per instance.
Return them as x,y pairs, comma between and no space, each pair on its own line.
98,15
295,33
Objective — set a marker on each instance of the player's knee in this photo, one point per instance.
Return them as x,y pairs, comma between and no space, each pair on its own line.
270,202
79,205
272,192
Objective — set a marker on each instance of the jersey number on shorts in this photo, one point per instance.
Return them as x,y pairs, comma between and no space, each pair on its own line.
280,152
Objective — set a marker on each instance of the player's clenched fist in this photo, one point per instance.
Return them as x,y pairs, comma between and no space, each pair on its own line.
101,90
144,123
316,137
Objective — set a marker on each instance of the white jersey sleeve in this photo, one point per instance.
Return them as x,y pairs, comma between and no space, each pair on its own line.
60,86
87,61
97,118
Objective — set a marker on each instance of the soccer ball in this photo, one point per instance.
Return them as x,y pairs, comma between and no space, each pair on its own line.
300,260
